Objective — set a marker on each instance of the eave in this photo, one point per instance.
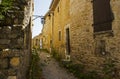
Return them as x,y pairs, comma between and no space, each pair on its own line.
53,5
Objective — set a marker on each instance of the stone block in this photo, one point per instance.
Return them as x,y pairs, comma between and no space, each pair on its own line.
3,36
6,29
11,71
4,63
20,41
12,35
15,61
3,46
4,41
12,77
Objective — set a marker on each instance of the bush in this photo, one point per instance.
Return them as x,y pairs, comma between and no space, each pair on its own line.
78,71
35,69
56,55
4,7
44,50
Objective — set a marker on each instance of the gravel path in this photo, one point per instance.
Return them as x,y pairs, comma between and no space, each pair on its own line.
51,69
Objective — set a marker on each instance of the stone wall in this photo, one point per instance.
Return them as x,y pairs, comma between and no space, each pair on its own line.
81,30
85,44
47,35
37,41
60,23
15,42
56,21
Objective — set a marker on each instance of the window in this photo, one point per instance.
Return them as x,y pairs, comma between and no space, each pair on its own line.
59,35
36,42
68,41
49,16
102,15
58,9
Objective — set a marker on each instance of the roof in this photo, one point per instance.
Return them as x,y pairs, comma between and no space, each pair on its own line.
47,14
53,4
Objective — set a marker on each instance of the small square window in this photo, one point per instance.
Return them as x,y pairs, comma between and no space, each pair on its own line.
59,35
58,9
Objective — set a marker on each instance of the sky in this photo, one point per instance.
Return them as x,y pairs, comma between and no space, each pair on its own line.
40,8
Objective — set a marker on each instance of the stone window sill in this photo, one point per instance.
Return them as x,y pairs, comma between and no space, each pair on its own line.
105,33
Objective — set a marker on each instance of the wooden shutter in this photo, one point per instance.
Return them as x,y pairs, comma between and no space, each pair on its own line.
59,35
102,15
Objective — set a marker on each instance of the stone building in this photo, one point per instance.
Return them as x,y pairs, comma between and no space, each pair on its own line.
87,31
94,35
15,40
57,21
37,42
47,31
61,24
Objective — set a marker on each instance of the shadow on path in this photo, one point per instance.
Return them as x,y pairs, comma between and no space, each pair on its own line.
51,68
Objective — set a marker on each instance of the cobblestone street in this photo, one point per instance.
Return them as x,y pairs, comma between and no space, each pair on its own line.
51,68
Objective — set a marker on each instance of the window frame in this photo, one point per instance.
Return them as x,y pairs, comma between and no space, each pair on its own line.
104,23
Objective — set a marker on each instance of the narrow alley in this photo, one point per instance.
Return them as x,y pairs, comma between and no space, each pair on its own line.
81,38
51,68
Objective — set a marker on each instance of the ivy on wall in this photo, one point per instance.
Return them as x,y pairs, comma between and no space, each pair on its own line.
4,7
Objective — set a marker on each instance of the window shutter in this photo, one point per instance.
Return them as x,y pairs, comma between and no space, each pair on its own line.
102,15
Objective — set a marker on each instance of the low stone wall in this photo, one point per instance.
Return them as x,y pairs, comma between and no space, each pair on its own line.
11,37
96,51
15,40
14,64
14,52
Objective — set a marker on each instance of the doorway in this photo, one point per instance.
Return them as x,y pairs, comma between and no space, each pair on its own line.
68,41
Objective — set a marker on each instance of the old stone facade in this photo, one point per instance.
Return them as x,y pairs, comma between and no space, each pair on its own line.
47,34
37,42
15,40
57,21
81,32
76,34
61,23
94,49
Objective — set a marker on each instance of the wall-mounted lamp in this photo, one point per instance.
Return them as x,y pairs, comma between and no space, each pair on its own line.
42,20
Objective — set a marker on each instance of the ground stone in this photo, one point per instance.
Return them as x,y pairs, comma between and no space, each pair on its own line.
15,61
51,68
12,77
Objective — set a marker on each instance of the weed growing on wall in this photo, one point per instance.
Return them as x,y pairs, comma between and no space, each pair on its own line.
56,55
35,69
109,69
4,7
78,70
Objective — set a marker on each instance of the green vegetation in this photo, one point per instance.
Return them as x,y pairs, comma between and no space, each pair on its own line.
79,71
35,69
2,76
56,55
44,50
109,69
4,7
